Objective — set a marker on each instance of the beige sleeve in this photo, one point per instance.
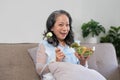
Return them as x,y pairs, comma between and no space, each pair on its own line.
41,60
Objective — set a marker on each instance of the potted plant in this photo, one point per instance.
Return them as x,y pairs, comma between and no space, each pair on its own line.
92,29
113,36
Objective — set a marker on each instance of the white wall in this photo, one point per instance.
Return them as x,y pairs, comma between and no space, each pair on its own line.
24,20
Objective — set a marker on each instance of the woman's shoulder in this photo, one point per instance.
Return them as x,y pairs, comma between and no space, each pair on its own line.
45,43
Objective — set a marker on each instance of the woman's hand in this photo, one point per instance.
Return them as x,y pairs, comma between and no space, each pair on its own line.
82,58
59,55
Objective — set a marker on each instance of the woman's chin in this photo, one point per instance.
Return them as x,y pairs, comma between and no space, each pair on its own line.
63,37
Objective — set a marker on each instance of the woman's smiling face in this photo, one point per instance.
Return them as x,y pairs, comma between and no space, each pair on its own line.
61,27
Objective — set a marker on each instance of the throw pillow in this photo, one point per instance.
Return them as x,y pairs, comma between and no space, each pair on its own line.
33,52
69,71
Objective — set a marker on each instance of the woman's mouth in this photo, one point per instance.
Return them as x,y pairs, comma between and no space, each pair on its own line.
63,34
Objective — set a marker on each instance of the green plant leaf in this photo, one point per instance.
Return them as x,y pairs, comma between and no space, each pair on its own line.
113,36
92,27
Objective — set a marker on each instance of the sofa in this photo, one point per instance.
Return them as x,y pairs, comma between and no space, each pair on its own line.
16,62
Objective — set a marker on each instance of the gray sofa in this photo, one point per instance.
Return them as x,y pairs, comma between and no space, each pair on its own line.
17,64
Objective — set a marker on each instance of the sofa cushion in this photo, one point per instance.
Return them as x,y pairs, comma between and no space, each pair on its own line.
15,62
33,52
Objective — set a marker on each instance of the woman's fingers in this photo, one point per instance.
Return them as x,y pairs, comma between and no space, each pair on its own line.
76,54
59,54
87,57
57,50
81,56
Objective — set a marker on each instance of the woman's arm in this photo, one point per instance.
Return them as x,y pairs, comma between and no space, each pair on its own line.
41,60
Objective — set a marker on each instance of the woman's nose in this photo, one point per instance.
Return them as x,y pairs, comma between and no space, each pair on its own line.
65,28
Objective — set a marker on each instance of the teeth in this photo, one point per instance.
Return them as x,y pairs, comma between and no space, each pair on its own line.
93,48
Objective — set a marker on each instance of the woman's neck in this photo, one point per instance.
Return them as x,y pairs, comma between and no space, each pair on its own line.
62,42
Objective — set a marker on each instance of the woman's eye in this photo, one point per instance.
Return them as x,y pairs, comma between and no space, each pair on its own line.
61,25
67,25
